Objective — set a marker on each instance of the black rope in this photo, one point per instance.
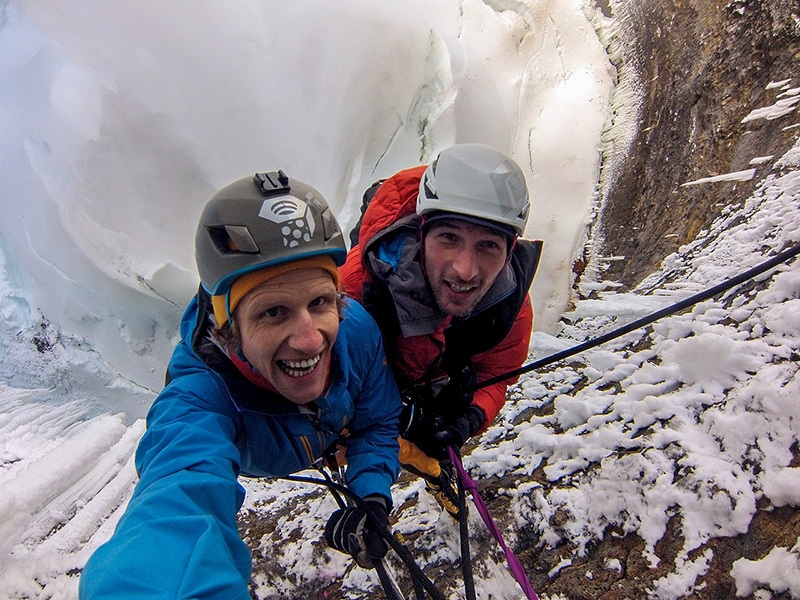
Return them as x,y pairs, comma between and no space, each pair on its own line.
463,530
388,583
421,581
336,495
639,323
417,574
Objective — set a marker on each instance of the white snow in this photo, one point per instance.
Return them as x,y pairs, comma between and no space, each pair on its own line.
116,126
779,571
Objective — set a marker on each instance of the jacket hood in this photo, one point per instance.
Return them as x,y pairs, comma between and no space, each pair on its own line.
395,199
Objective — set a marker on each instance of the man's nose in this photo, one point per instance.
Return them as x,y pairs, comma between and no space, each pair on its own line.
305,336
466,264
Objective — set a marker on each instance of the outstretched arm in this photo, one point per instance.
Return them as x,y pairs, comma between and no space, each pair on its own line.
178,535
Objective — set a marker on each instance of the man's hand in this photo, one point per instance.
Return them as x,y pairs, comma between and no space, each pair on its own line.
352,531
461,430
438,439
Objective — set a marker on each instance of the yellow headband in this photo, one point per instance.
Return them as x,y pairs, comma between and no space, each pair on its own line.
250,281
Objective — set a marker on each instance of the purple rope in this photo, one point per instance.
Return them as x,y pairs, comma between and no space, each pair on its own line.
513,562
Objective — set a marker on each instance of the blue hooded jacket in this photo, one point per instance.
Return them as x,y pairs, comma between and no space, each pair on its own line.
178,536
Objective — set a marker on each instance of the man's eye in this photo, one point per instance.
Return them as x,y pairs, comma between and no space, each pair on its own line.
321,301
272,312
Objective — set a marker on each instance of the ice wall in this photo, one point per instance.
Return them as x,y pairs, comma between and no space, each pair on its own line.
118,121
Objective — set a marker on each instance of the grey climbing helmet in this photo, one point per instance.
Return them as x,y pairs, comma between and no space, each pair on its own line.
262,221
477,181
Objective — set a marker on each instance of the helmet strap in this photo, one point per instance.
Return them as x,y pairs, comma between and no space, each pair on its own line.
246,368
511,247
422,246
228,306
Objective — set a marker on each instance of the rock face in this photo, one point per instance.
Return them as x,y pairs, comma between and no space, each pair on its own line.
703,64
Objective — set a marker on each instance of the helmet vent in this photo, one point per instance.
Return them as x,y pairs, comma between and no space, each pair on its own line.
430,191
283,208
233,239
329,225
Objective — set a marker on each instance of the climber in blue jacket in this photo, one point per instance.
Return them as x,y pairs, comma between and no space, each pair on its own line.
273,368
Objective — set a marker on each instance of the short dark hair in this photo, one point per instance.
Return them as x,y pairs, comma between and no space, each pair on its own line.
437,218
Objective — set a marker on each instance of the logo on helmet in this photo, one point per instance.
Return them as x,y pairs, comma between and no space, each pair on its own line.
294,216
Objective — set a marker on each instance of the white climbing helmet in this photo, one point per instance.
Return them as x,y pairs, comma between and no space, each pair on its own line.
478,181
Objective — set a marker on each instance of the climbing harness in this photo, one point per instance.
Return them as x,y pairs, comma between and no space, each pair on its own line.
644,321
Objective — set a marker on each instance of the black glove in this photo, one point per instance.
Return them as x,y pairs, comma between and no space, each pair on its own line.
463,428
352,531
438,439
457,394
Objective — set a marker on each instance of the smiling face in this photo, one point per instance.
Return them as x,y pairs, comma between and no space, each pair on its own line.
288,325
462,260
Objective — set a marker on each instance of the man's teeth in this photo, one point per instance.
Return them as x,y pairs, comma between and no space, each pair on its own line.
460,288
298,368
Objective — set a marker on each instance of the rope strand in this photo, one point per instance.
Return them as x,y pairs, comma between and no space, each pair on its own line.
417,574
644,321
